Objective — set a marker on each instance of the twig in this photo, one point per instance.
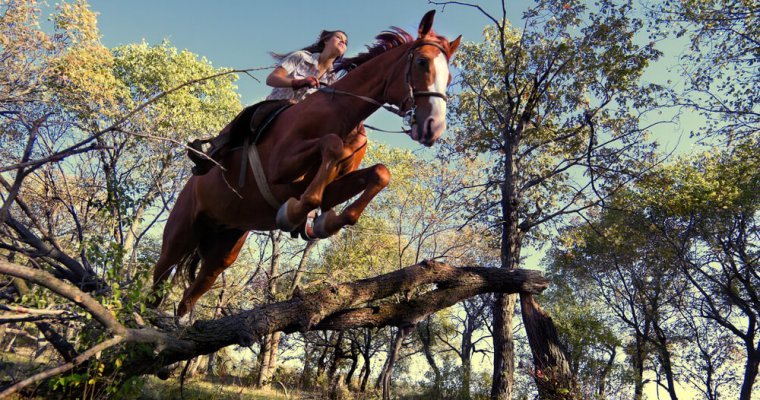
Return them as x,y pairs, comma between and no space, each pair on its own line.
177,142
10,318
113,127
24,310
284,389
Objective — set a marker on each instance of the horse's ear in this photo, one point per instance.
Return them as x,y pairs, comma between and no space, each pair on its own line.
453,45
426,24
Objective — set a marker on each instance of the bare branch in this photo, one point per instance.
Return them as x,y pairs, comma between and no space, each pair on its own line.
66,290
64,367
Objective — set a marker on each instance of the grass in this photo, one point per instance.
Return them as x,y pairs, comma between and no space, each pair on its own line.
15,366
202,390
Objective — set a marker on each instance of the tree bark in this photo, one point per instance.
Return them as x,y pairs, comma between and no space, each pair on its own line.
552,368
337,355
638,368
354,363
511,242
305,381
331,308
366,353
750,372
423,330
503,348
387,374
322,361
466,355
269,346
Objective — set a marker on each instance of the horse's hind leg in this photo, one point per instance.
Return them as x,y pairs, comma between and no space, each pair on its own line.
218,250
178,243
368,181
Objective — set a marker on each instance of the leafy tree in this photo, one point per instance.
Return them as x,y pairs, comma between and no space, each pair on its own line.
632,275
552,108
675,261
720,65
708,215
75,188
591,337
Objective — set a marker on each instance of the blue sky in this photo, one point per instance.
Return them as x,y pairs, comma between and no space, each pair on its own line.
239,34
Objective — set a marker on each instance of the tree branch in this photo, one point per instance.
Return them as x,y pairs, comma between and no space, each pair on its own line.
62,368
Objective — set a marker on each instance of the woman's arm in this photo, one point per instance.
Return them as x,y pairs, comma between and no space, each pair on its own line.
279,78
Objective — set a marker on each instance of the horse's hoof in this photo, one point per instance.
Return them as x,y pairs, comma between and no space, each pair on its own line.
319,227
183,309
283,223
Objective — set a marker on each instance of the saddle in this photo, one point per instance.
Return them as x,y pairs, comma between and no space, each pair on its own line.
248,126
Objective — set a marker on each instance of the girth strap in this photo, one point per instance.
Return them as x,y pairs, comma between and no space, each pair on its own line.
261,179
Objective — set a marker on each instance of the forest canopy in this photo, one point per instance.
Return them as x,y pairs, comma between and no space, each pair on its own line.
552,165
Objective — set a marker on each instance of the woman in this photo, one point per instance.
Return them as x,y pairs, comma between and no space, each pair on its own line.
299,73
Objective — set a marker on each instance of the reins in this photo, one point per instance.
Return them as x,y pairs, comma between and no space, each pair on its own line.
409,116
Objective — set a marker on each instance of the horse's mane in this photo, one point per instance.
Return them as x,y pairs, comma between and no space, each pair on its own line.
385,41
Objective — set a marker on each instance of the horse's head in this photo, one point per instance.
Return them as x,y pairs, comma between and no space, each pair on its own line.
427,77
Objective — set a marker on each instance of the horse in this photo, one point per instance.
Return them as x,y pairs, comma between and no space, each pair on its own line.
310,157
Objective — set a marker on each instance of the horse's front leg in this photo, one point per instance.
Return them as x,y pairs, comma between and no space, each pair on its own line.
294,211
368,181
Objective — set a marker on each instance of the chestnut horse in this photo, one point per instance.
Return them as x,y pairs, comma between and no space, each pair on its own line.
310,157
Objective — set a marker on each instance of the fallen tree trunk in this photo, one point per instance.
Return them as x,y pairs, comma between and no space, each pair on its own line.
338,307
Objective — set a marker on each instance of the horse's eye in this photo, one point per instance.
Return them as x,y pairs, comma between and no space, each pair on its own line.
423,62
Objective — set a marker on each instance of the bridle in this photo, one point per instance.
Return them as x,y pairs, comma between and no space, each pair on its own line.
409,115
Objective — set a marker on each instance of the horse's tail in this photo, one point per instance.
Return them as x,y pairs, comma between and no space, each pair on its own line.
188,266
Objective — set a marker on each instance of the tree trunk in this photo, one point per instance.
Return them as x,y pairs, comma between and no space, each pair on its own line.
264,354
272,342
322,361
466,356
387,373
301,266
354,363
364,377
338,307
273,347
606,371
750,372
503,348
336,357
366,353
638,369
305,381
210,367
423,330
511,241
552,375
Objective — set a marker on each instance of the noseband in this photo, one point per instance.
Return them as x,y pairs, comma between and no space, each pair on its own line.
409,115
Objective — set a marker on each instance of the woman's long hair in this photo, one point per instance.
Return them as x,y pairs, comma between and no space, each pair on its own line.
316,47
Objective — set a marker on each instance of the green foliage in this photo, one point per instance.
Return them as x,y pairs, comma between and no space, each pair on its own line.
669,262
202,108
551,107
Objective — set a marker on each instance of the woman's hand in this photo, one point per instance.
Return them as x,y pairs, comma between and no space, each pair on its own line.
310,82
